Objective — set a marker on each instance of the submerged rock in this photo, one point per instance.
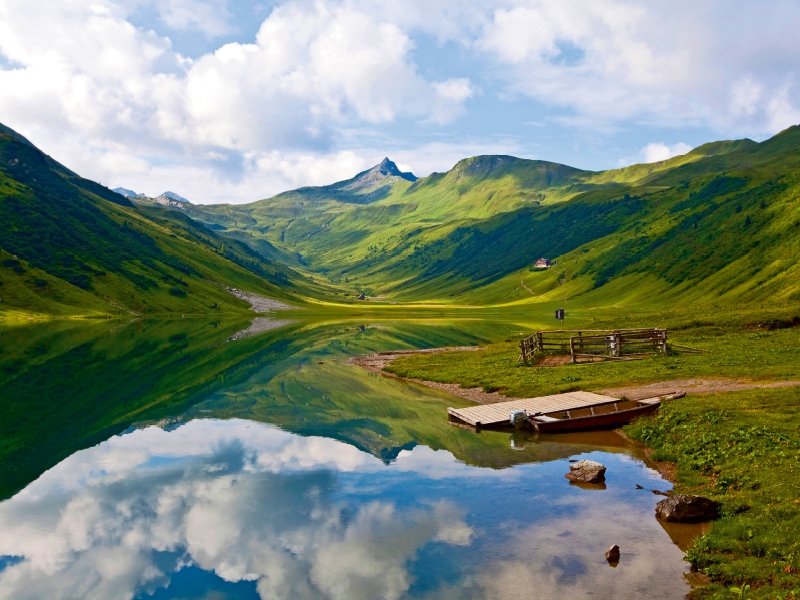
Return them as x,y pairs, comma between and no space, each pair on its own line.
681,508
612,555
587,471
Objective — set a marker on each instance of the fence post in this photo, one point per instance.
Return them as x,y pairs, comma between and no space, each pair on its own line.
572,349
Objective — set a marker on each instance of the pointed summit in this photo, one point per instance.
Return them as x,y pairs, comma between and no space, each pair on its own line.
388,169
383,175
368,186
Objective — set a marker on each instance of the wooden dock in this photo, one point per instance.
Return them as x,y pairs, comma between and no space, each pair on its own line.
487,415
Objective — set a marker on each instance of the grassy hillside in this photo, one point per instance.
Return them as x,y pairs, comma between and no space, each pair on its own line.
70,247
720,222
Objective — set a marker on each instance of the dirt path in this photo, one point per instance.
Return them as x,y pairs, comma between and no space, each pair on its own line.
376,363
690,386
259,303
522,283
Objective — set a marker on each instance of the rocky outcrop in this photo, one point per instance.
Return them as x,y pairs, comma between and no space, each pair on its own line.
586,471
682,508
171,202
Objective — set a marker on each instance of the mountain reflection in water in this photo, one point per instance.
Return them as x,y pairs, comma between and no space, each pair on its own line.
274,476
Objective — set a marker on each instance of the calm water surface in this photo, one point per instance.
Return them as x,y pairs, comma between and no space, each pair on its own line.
222,460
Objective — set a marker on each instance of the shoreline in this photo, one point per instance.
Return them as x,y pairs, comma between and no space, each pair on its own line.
377,362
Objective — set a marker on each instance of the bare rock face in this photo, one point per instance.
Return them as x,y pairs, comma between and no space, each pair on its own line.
587,471
612,556
682,508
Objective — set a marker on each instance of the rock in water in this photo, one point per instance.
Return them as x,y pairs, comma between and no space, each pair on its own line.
682,508
612,556
587,471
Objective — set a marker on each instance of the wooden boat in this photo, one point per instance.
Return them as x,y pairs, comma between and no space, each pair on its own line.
601,416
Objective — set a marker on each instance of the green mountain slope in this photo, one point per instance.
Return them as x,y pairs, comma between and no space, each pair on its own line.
719,221
344,239
69,246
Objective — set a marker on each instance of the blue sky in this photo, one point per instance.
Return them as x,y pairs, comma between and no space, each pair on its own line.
224,101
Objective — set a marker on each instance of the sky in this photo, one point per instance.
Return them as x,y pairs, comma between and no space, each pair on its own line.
234,101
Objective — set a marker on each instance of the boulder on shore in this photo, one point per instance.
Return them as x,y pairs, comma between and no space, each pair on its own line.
682,508
612,555
587,471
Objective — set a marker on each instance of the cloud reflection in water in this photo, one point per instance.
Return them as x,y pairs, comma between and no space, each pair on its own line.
248,501
310,517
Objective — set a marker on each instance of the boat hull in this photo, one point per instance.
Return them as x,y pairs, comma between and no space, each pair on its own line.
609,420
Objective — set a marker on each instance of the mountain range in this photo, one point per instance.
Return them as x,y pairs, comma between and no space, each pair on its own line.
134,196
719,224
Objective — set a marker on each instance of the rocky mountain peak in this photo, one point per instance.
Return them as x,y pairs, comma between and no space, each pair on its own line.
165,199
381,175
173,196
386,168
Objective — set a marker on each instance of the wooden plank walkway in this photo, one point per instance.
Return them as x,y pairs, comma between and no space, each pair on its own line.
494,414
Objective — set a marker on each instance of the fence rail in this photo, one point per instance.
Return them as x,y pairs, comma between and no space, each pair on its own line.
592,344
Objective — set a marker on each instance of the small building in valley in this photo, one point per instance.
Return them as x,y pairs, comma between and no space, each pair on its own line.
543,263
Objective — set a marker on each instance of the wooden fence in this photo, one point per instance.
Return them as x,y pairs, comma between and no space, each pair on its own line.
593,344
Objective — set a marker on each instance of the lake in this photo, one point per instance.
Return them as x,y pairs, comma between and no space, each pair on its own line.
210,460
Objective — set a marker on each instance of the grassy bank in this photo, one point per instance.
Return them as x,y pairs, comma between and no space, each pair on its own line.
741,348
741,448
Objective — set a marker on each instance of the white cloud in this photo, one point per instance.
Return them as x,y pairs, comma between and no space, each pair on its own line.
118,104
210,17
782,109
91,82
666,63
746,95
658,151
